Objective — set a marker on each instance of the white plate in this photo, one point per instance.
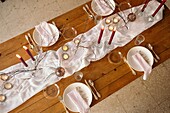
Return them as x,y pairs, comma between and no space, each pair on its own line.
98,11
86,92
147,55
38,39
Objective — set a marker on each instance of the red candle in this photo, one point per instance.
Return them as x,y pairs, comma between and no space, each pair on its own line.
22,60
162,3
145,4
101,33
112,35
29,53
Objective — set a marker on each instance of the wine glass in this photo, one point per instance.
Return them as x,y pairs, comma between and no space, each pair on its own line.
115,57
51,91
69,32
78,76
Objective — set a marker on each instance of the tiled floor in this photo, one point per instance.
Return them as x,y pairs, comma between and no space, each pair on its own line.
151,96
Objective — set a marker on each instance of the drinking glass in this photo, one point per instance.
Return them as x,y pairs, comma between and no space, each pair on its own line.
78,75
115,57
51,91
69,32
128,15
139,39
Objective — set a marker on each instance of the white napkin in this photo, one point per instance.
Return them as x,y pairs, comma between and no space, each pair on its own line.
143,64
77,99
104,8
45,33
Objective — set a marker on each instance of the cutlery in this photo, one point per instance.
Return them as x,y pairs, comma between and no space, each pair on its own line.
60,98
29,42
151,48
133,71
87,7
92,84
84,8
95,96
35,46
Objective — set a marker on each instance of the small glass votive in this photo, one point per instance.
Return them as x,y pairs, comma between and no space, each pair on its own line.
2,98
108,20
139,39
115,20
65,48
52,91
8,86
115,57
78,76
65,56
111,27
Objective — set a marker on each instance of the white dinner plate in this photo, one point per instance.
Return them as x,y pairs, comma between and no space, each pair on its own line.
146,54
38,39
86,94
98,11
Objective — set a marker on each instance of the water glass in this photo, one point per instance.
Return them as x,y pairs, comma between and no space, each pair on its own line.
52,91
139,39
78,75
115,57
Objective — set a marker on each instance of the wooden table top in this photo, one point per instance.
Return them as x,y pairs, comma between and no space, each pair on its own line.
108,77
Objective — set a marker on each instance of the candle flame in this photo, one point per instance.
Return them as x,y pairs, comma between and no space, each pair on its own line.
102,27
25,47
17,55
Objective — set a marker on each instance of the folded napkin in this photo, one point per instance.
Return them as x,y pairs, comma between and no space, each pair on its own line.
45,32
77,99
143,64
103,7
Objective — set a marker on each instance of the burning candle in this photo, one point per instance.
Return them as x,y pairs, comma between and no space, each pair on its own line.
29,53
145,4
115,20
162,3
112,35
101,33
4,77
22,60
107,20
2,98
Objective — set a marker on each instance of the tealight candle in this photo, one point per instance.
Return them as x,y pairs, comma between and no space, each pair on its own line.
111,27
2,98
4,77
65,56
107,20
8,85
112,35
22,60
65,48
115,20
29,53
77,41
101,33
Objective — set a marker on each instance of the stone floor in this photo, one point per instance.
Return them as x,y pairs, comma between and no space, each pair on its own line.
151,96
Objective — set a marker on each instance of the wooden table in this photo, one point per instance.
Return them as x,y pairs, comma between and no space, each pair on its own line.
108,78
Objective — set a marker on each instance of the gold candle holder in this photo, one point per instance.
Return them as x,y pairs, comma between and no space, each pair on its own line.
65,48
4,77
2,98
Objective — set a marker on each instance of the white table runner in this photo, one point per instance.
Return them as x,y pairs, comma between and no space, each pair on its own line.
28,84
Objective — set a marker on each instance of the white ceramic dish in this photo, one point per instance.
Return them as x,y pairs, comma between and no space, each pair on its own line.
147,55
98,11
38,39
86,92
